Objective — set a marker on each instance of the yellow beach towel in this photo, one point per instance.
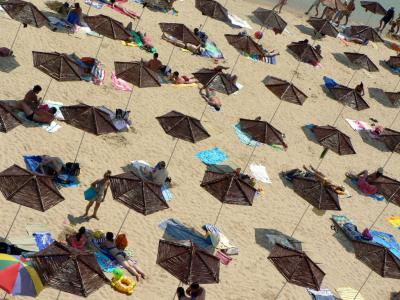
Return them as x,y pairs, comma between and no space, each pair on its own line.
394,220
183,85
347,293
129,44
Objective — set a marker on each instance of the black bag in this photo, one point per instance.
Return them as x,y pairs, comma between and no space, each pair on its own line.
72,169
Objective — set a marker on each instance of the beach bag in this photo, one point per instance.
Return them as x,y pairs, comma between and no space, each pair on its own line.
72,169
90,193
121,242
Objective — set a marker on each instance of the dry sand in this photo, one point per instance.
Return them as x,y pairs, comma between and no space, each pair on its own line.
250,275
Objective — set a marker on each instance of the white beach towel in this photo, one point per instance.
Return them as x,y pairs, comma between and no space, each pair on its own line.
239,86
260,173
57,105
235,20
358,125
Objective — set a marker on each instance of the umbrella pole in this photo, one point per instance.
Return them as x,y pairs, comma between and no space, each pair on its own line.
98,49
234,65
173,150
123,222
79,147
13,221
170,56
251,155
204,24
280,291
365,281
140,17
15,37
219,213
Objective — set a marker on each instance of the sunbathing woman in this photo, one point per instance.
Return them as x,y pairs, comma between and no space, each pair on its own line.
123,259
340,190
177,79
362,182
211,98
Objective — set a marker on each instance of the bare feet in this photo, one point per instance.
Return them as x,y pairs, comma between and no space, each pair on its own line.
95,217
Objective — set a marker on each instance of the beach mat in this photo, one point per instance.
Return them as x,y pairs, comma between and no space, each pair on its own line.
347,293
213,156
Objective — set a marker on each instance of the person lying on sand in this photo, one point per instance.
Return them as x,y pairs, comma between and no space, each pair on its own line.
122,258
158,174
340,190
177,79
211,98
363,181
51,166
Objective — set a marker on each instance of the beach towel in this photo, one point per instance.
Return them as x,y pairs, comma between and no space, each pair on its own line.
223,258
43,239
176,230
347,293
238,22
239,86
212,157
358,125
120,84
395,221
329,82
211,50
166,193
120,124
50,128
244,138
124,11
377,197
387,240
106,263
322,294
218,239
260,173
94,4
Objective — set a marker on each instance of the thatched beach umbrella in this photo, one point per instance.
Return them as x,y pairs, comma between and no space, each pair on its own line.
216,80
69,270
262,132
378,258
361,60
394,97
333,139
387,186
183,127
391,138
349,96
180,32
323,26
108,27
304,52
29,189
245,43
8,119
365,32
285,90
58,66
25,13
142,196
212,9
137,73
296,267
394,61
320,196
88,118
374,7
229,187
187,262
270,19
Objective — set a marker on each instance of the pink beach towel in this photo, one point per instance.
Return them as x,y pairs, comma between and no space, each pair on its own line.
120,84
223,258
124,11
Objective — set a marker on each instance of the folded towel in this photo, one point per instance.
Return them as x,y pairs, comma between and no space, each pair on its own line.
212,156
260,173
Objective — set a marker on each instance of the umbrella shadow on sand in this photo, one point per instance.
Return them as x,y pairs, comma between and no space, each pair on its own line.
309,135
372,142
8,64
308,31
341,58
342,239
267,238
379,95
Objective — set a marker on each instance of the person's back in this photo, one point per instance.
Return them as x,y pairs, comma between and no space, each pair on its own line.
154,64
31,99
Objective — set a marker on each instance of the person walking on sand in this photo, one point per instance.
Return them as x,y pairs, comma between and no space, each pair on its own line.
280,4
100,186
350,7
316,5
386,19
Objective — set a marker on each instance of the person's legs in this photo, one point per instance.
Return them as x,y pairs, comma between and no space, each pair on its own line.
317,10
127,266
88,207
308,11
96,208
137,268
347,19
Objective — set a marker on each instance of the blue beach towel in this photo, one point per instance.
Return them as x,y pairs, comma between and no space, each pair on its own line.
43,239
271,60
212,157
178,231
387,240
212,51
329,82
166,193
244,138
106,264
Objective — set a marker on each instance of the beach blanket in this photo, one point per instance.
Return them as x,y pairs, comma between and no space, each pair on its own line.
218,239
63,180
394,220
212,157
244,138
387,240
347,293
120,84
322,294
94,4
106,264
211,50
43,239
329,82
50,128
120,124
176,230
377,197
166,193
238,22
358,125
260,173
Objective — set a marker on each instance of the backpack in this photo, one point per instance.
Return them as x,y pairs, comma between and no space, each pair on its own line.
72,169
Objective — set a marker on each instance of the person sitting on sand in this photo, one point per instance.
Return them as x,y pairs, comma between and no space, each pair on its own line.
201,35
158,174
122,258
196,292
362,182
100,186
51,166
211,98
79,240
360,89
177,79
154,64
377,130
75,15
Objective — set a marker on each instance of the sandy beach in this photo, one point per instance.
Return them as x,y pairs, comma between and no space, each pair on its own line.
250,275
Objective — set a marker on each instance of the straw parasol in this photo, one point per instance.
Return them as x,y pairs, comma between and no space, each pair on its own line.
142,196
394,61
57,65
285,90
29,189
296,267
108,27
391,138
245,43
262,131
304,52
394,97
333,139
212,9
216,80
137,73
378,258
69,270
270,19
180,32
8,120
183,127
320,196
323,26
187,262
229,187
387,186
24,12
373,7
349,96
361,60
365,32
88,118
